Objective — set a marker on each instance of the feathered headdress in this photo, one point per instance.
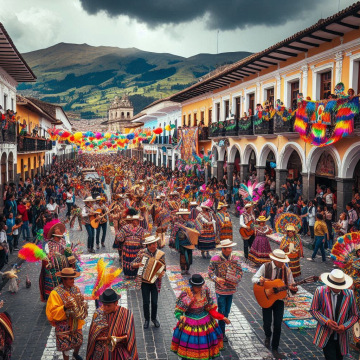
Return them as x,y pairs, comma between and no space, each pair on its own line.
104,279
253,191
344,251
31,253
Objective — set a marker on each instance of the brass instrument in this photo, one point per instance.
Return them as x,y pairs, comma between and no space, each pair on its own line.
114,340
79,309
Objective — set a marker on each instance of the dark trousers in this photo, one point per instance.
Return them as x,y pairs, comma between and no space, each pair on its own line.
16,240
69,205
275,311
319,245
103,227
91,232
247,245
224,306
146,291
312,235
332,349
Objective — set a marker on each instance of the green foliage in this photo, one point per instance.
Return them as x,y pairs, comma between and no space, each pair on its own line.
155,75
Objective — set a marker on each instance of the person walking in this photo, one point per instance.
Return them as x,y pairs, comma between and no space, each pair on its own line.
320,231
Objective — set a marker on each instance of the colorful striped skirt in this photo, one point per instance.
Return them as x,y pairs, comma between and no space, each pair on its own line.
65,339
260,250
129,253
206,240
294,263
199,338
226,231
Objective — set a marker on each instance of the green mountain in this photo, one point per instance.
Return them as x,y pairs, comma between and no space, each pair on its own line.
84,79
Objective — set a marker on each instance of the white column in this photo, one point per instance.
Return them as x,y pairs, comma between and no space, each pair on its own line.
258,99
304,70
278,87
339,62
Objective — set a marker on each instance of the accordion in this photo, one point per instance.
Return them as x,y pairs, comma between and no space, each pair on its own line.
230,270
151,270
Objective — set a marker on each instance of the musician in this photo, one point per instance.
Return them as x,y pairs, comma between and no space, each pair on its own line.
334,307
130,240
100,204
225,270
276,269
245,219
148,289
224,224
64,304
206,225
112,322
181,240
87,212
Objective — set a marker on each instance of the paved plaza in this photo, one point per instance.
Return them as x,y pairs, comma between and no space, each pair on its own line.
35,340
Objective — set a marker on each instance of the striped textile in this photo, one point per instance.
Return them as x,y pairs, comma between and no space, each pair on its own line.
206,239
224,226
118,323
321,309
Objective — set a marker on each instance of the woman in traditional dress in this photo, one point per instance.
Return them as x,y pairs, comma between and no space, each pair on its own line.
206,225
292,246
197,335
224,224
260,249
57,253
130,239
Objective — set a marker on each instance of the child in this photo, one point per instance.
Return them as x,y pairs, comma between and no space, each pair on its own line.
4,256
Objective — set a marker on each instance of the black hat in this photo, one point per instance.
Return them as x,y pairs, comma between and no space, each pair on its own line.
197,280
109,296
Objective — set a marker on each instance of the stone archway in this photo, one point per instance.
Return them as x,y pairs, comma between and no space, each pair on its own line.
250,161
268,155
11,167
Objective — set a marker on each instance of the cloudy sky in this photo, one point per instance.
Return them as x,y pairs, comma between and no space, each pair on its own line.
181,27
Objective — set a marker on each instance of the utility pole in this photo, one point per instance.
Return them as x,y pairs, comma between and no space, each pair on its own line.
217,43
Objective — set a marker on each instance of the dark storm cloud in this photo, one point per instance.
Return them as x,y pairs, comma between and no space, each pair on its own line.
221,14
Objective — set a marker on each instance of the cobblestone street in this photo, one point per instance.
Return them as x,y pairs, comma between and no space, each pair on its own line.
35,338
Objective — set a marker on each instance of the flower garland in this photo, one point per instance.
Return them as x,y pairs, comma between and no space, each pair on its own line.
313,120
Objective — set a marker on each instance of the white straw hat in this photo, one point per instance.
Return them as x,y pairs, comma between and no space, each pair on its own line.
336,279
151,239
183,212
279,255
226,243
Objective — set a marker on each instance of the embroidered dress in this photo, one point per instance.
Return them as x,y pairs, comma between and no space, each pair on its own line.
199,336
260,249
294,256
224,228
58,260
68,330
132,242
204,224
118,323
6,336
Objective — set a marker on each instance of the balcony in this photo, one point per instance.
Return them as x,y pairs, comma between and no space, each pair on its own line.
245,126
31,144
8,135
263,127
214,129
283,124
203,133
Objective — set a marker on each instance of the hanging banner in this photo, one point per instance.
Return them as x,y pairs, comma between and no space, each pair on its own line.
322,123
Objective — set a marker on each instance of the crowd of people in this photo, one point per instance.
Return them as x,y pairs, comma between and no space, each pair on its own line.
152,208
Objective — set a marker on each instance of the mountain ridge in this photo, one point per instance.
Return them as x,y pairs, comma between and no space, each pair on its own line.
85,78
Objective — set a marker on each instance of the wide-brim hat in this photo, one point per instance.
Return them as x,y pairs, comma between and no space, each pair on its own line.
183,212
205,206
336,279
279,255
226,243
173,193
221,205
89,198
51,226
290,227
158,198
67,273
262,218
196,280
109,296
193,203
151,239
133,217
248,205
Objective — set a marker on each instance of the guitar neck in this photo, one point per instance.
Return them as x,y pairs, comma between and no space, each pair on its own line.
286,287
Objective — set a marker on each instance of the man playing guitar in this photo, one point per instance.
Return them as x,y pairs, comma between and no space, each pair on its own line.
276,269
100,204
246,219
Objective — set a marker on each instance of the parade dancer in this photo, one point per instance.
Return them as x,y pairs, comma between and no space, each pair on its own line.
86,213
149,289
247,221
225,270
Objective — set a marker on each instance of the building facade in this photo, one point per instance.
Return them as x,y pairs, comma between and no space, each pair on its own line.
310,62
13,70
120,114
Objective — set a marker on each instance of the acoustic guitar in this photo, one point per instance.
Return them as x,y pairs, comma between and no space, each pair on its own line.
95,219
245,233
274,290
